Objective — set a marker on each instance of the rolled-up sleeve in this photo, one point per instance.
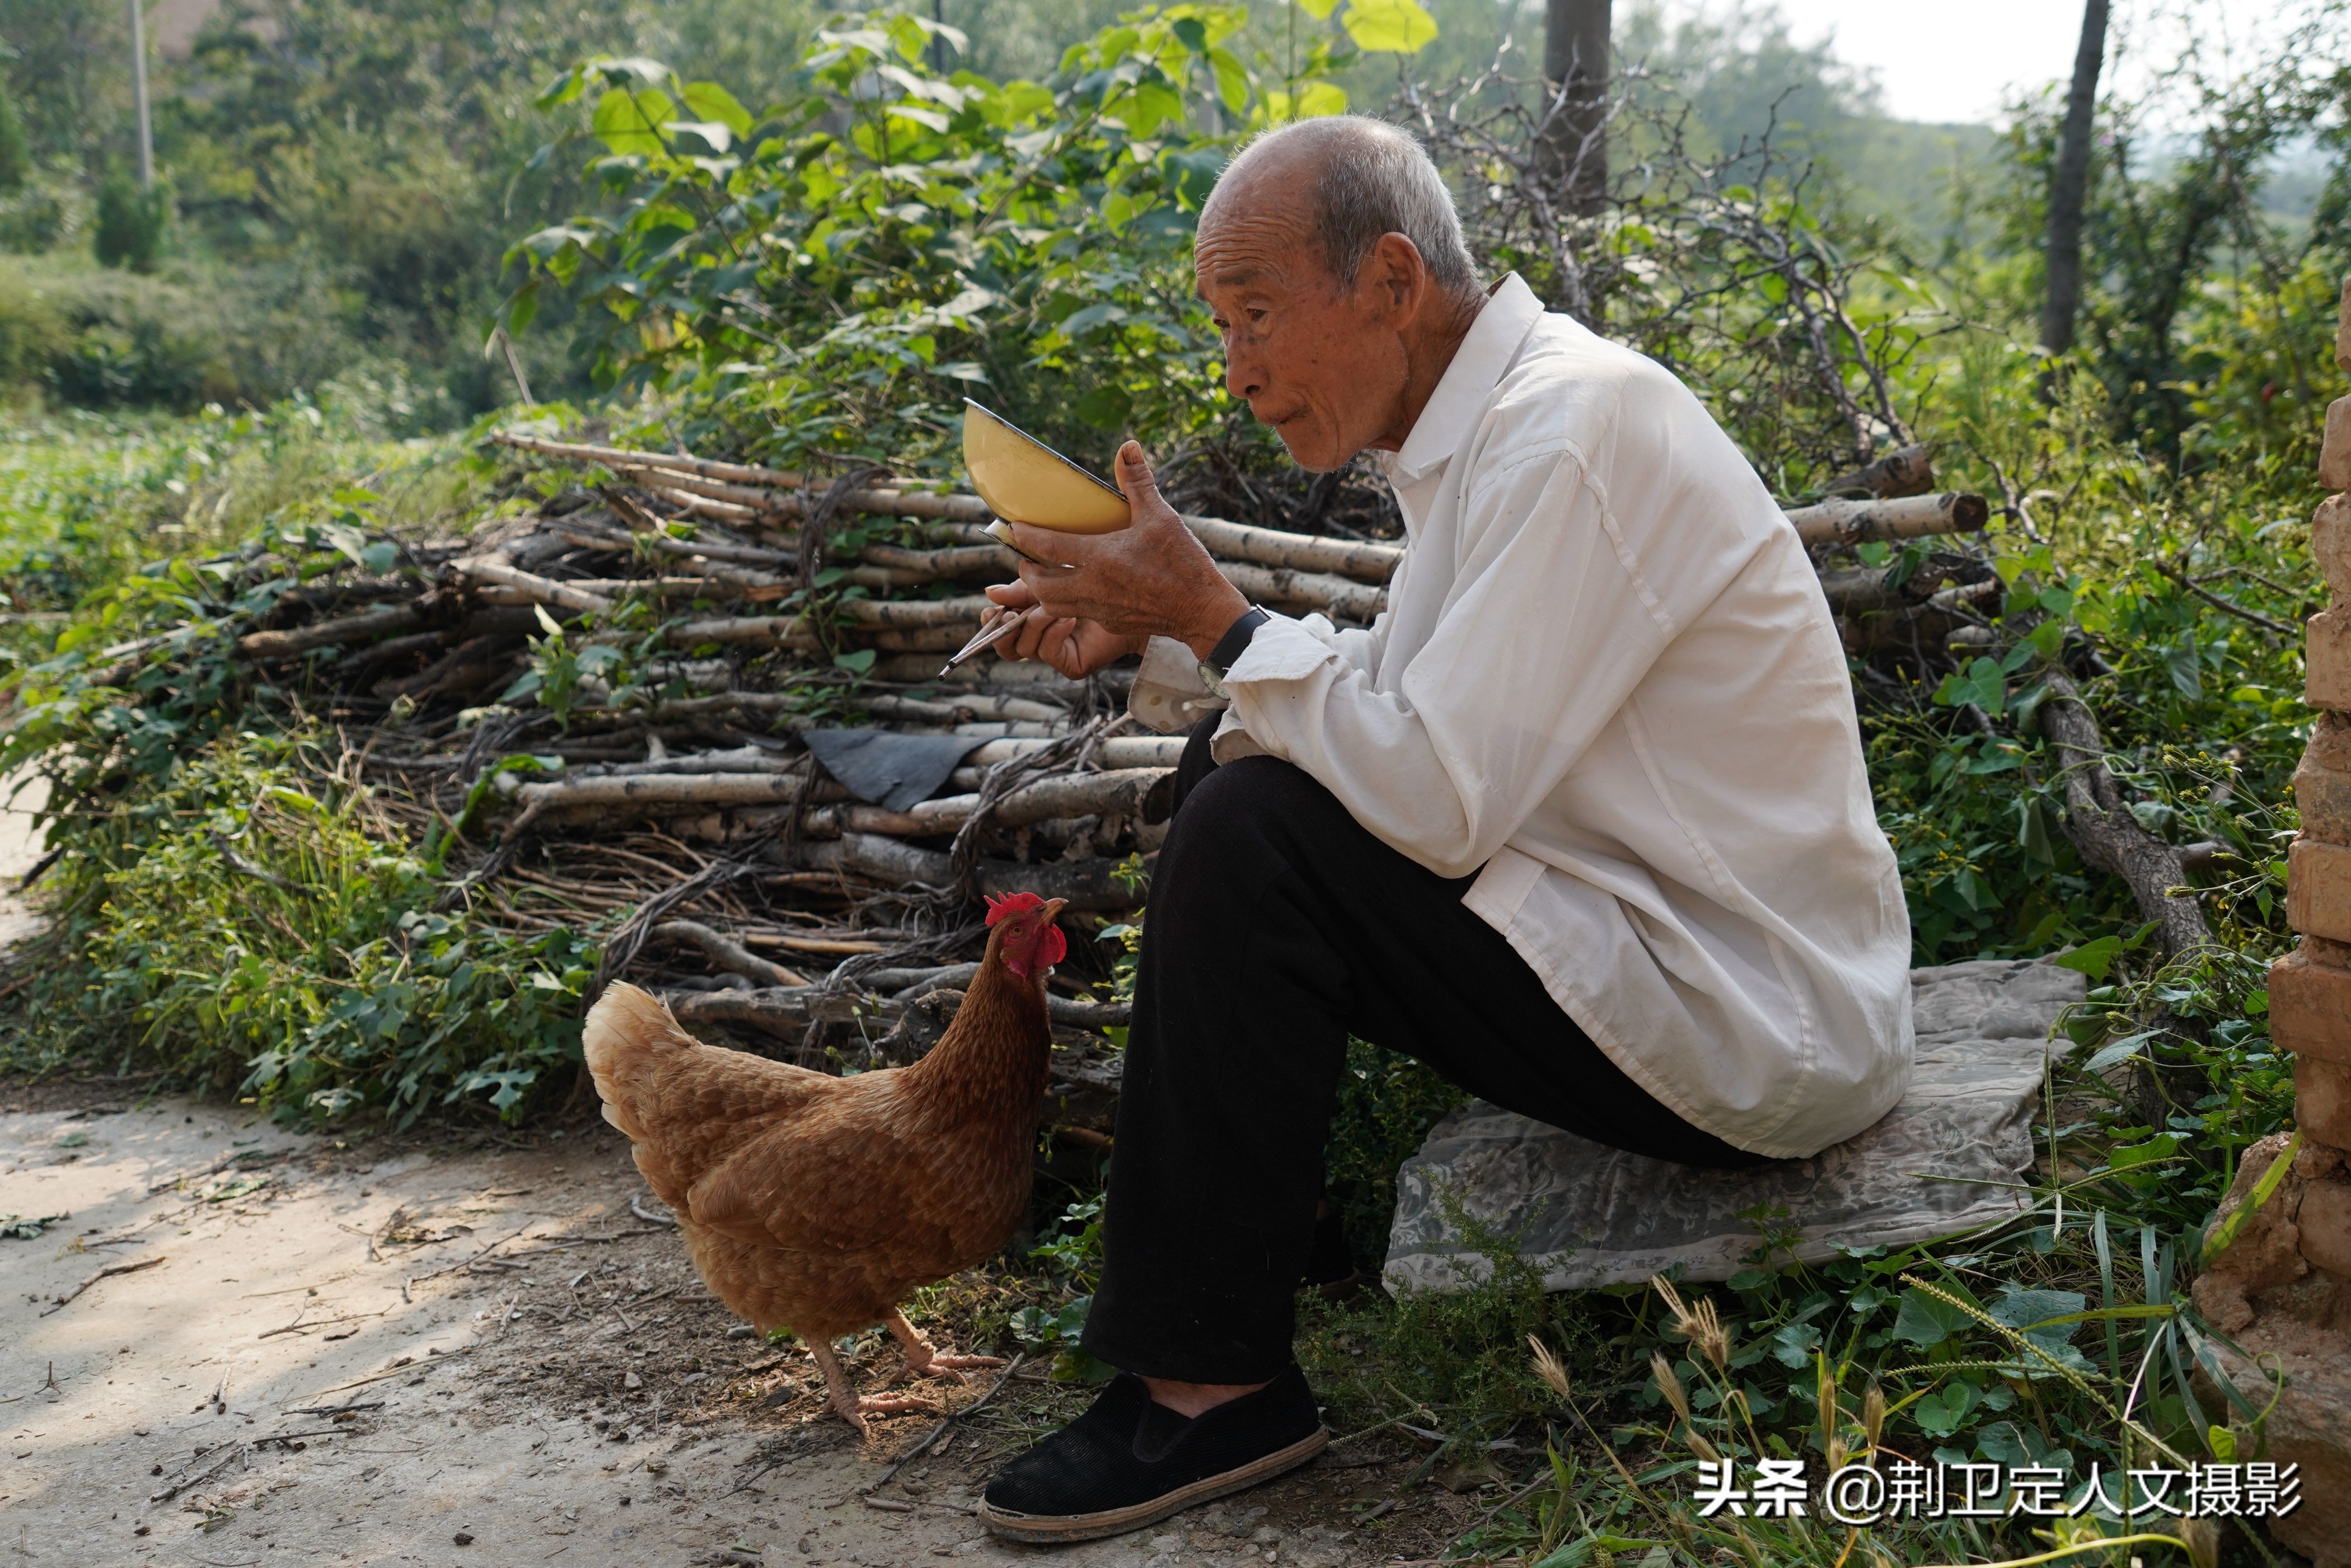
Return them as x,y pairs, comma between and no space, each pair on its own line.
1169,696
1551,628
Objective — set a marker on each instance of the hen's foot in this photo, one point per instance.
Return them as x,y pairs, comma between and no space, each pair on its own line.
923,1361
847,1403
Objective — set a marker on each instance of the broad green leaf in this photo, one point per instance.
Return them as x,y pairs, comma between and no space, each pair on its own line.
1313,100
716,134
929,118
625,121
1232,79
1319,9
1943,1411
2185,664
1389,26
1926,1320
2047,1317
2120,1051
619,70
2092,958
2162,1146
1792,1344
708,100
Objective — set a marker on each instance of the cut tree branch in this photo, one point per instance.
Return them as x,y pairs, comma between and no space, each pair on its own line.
2100,823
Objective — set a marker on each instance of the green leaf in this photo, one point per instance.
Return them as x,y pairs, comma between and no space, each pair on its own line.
2162,1146
1232,79
1319,9
619,70
2183,662
2033,831
1389,26
1926,1320
2121,1050
1792,1344
715,134
857,662
2047,1317
710,101
2092,958
1943,1411
1313,100
624,122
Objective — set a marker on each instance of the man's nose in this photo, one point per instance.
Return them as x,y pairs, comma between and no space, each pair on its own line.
1244,375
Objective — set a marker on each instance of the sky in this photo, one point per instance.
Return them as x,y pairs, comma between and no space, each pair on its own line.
1959,62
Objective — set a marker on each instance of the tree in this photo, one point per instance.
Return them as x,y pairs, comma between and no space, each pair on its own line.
16,155
1575,70
2069,186
130,221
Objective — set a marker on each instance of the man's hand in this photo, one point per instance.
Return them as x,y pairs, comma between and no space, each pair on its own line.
1076,648
1151,578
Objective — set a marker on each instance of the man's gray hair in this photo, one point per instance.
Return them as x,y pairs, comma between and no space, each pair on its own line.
1372,178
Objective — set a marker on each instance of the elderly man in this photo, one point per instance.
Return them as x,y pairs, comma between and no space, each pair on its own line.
1581,821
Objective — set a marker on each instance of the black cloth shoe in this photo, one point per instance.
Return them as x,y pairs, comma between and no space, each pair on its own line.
1129,1462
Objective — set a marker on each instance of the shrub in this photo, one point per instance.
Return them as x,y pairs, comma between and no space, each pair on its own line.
130,222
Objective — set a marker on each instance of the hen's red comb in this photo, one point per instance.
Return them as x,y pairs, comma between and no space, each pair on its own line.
1012,903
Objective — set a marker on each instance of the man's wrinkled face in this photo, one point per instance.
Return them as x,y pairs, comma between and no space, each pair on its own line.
1322,363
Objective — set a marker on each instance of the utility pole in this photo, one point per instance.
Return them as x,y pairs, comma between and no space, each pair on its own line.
2069,186
938,40
139,91
1574,150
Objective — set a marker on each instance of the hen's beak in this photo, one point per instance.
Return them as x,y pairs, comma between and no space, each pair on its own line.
1052,912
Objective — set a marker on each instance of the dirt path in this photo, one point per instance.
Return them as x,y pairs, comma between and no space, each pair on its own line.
278,1348
579,1398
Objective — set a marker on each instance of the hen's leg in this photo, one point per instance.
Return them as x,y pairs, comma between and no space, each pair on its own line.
922,1360
853,1407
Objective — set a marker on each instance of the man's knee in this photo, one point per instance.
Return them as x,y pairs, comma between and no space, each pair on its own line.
1245,820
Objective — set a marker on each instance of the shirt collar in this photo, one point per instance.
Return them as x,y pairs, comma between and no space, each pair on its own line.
1511,312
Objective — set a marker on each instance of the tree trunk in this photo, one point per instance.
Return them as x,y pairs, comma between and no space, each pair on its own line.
2101,825
2068,186
1575,139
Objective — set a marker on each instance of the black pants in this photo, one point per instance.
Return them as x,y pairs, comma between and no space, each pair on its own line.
1277,927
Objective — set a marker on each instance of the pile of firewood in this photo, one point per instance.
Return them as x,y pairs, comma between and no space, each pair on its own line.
732,871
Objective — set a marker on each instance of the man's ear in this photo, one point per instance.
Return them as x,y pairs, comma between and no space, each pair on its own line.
1397,277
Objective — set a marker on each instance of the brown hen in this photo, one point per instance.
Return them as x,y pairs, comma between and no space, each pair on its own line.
818,1204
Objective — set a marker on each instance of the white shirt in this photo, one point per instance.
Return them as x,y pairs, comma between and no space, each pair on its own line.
1607,676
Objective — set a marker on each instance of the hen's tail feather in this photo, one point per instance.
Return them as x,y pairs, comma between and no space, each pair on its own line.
628,1027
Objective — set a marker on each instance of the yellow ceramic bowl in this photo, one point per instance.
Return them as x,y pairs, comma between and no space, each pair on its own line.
1026,481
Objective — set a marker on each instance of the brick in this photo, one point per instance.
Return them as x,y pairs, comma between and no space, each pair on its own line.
2322,1101
2326,660
2330,741
2323,795
2318,889
2310,1008
2330,542
2335,451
